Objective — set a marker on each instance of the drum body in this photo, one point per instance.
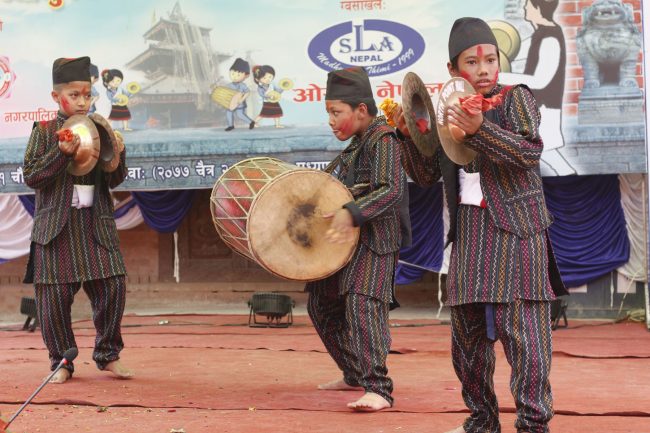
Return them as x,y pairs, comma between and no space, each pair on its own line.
226,97
272,212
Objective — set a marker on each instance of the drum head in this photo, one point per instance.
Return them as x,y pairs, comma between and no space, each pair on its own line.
287,230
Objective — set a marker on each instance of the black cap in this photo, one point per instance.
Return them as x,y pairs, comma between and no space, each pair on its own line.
467,32
241,65
68,70
346,84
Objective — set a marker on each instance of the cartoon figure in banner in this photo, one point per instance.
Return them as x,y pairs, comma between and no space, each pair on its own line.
263,77
112,78
239,71
94,93
544,74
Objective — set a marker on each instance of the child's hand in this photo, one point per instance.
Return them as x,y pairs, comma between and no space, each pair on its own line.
68,141
470,123
341,229
398,119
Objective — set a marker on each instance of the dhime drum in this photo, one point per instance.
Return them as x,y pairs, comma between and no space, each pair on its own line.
272,212
226,97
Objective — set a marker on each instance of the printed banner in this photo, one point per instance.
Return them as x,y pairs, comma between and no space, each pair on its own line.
197,85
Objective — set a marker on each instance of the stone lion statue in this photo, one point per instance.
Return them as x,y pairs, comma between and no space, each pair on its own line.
608,44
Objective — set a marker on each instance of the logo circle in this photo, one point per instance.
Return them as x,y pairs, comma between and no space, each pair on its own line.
382,47
6,77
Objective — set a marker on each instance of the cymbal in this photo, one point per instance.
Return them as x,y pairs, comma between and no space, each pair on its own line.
504,63
507,36
452,143
86,156
109,149
417,107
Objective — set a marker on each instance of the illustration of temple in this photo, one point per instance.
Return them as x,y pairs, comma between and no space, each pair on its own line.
180,67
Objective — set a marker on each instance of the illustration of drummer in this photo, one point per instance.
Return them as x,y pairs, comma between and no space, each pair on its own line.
239,71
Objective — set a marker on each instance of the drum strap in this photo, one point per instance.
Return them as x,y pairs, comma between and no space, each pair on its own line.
336,162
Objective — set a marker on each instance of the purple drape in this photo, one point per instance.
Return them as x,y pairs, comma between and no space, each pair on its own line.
29,203
589,234
426,251
119,213
164,211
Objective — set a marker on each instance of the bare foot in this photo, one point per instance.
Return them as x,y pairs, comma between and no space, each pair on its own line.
459,429
119,370
338,385
370,402
60,376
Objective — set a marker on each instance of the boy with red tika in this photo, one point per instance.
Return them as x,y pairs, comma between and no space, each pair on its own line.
502,272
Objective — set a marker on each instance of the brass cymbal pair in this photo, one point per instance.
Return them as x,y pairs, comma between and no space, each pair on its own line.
97,142
418,108
417,104
122,99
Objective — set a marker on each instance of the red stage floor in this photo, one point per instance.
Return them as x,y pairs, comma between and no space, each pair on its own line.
215,374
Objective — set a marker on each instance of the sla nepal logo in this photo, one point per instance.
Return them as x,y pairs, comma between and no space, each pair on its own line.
382,47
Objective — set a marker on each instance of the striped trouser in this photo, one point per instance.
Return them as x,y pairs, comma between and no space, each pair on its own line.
107,299
354,329
524,328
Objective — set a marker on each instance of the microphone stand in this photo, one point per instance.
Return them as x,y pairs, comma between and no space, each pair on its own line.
68,356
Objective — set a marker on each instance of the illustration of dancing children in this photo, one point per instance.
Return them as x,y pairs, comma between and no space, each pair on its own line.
112,78
94,93
270,94
239,71
544,73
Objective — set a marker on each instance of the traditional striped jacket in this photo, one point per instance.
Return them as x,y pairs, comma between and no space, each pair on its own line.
508,147
508,160
376,207
381,184
45,171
